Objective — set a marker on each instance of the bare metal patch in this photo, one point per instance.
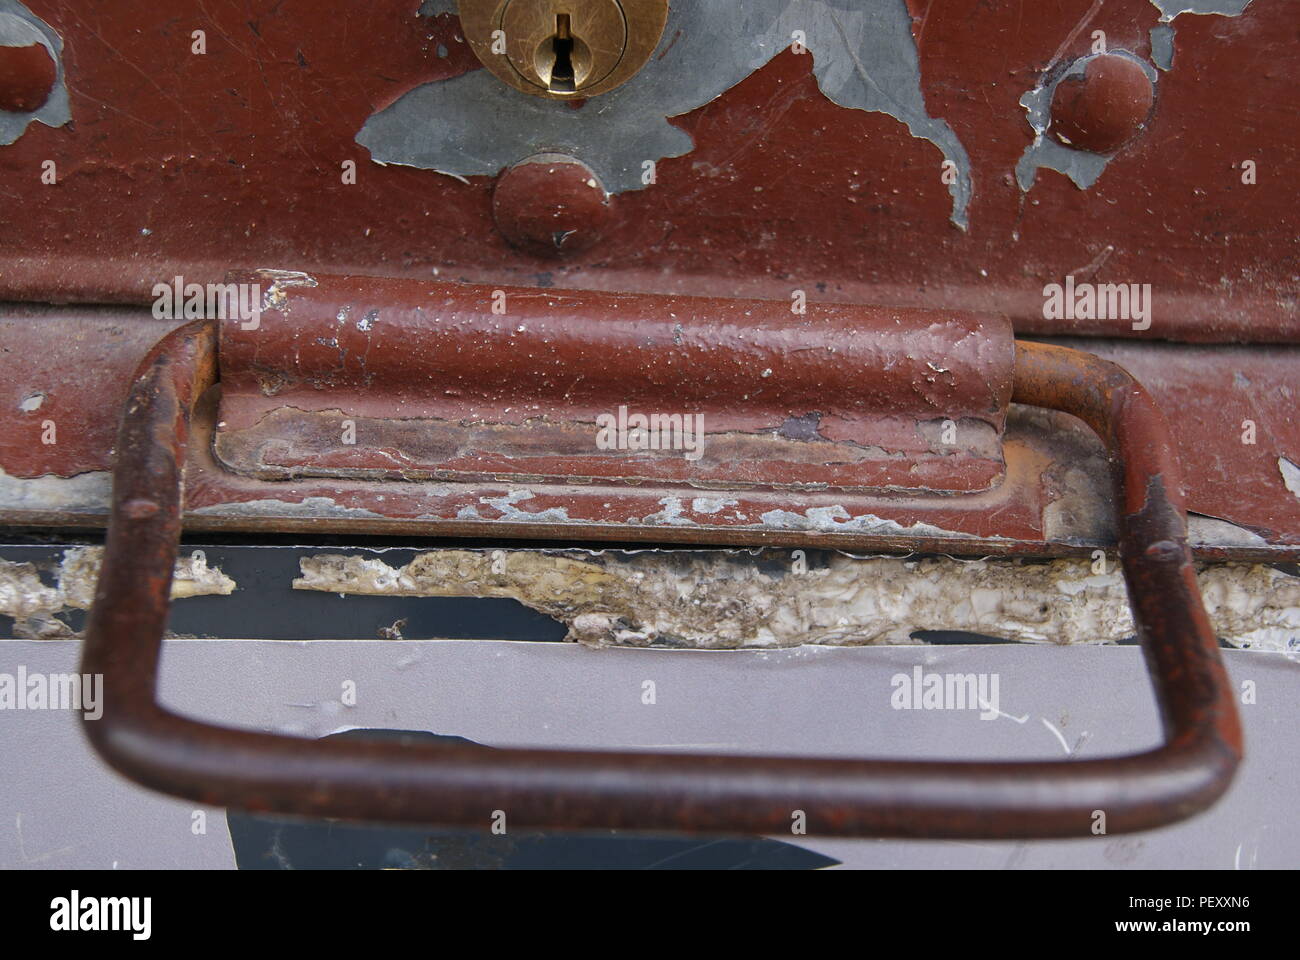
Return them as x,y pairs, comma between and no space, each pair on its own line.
308,507
1290,475
19,27
85,492
1214,532
1082,166
864,58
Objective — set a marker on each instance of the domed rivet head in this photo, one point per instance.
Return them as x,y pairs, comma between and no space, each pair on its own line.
1102,107
27,76
551,205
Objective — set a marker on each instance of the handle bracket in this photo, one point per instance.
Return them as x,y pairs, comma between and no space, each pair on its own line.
461,785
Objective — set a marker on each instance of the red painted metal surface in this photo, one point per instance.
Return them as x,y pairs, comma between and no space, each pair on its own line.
461,382
1103,108
1052,470
551,206
185,164
542,788
26,78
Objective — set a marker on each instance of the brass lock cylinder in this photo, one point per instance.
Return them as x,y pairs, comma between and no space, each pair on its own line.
563,49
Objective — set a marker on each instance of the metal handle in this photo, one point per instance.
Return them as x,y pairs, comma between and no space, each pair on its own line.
656,791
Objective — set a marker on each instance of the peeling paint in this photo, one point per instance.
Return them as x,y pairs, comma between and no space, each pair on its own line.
19,27
1081,166
1169,9
506,506
711,504
308,507
85,492
274,298
864,58
726,600
671,515
1065,517
1162,46
1162,35
1211,531
836,518
1290,475
35,607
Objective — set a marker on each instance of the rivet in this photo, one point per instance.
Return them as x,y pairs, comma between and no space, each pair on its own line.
1104,107
27,76
551,205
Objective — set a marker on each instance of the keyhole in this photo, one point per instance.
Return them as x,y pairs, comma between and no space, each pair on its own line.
562,79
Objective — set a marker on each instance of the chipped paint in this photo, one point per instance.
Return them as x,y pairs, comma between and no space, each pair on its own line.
672,514
274,298
711,504
35,607
307,507
89,493
837,518
864,58
85,492
1081,166
506,507
1162,46
1290,475
1211,531
1169,9
726,600
19,27
1162,35
286,278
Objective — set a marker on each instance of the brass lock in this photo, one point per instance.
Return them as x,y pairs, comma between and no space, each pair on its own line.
563,49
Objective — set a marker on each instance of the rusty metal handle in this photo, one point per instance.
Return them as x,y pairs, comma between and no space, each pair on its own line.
462,785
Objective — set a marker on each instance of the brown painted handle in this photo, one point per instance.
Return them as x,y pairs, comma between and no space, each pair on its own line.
654,791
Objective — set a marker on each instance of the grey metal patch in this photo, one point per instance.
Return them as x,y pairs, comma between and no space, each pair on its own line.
19,27
1226,8
1081,166
1162,35
864,58
1162,46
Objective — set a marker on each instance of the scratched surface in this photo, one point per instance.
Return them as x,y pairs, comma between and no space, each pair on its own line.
66,810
